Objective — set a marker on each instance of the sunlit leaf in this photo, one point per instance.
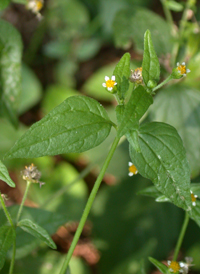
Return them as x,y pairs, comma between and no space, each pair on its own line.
4,175
7,237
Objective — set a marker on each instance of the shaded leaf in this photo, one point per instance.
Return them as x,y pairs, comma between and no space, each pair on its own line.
163,268
37,231
7,237
4,175
122,73
10,75
130,25
163,161
128,116
78,124
179,106
150,191
173,5
150,64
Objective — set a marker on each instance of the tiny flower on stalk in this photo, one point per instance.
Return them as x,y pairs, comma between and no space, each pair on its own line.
35,6
32,174
193,197
136,76
109,83
174,266
4,197
132,169
180,71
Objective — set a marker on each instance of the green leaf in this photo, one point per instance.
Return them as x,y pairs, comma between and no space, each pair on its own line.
122,73
4,4
150,64
163,161
7,237
179,106
128,116
4,175
10,74
37,231
20,1
163,268
173,5
78,124
130,25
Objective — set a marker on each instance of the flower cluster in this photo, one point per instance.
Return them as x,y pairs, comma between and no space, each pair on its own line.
132,169
136,76
182,69
32,174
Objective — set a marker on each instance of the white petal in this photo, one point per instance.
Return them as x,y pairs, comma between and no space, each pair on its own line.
188,70
181,264
104,85
113,78
177,64
183,63
195,196
130,174
107,78
115,83
168,262
110,89
191,191
194,203
130,164
136,172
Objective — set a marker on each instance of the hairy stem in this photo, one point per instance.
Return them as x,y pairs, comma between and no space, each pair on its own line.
89,205
23,201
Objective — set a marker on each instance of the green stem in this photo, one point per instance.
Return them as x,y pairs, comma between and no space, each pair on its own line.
12,225
6,211
89,205
168,15
181,236
23,201
13,257
163,83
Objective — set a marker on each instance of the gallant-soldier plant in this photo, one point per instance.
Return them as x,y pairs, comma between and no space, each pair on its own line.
81,123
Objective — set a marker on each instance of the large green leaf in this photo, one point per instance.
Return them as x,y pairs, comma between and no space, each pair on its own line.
179,106
128,116
78,124
122,73
37,231
10,73
130,25
150,64
4,175
7,236
163,160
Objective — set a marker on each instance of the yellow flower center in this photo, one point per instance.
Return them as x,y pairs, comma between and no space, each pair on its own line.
193,198
133,169
174,266
182,69
110,83
39,5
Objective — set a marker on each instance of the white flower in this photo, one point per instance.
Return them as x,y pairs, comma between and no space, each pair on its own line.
132,169
193,197
109,84
182,69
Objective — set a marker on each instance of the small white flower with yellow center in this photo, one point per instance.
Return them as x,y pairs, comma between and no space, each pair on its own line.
193,197
132,169
186,265
109,83
182,69
174,267
35,6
